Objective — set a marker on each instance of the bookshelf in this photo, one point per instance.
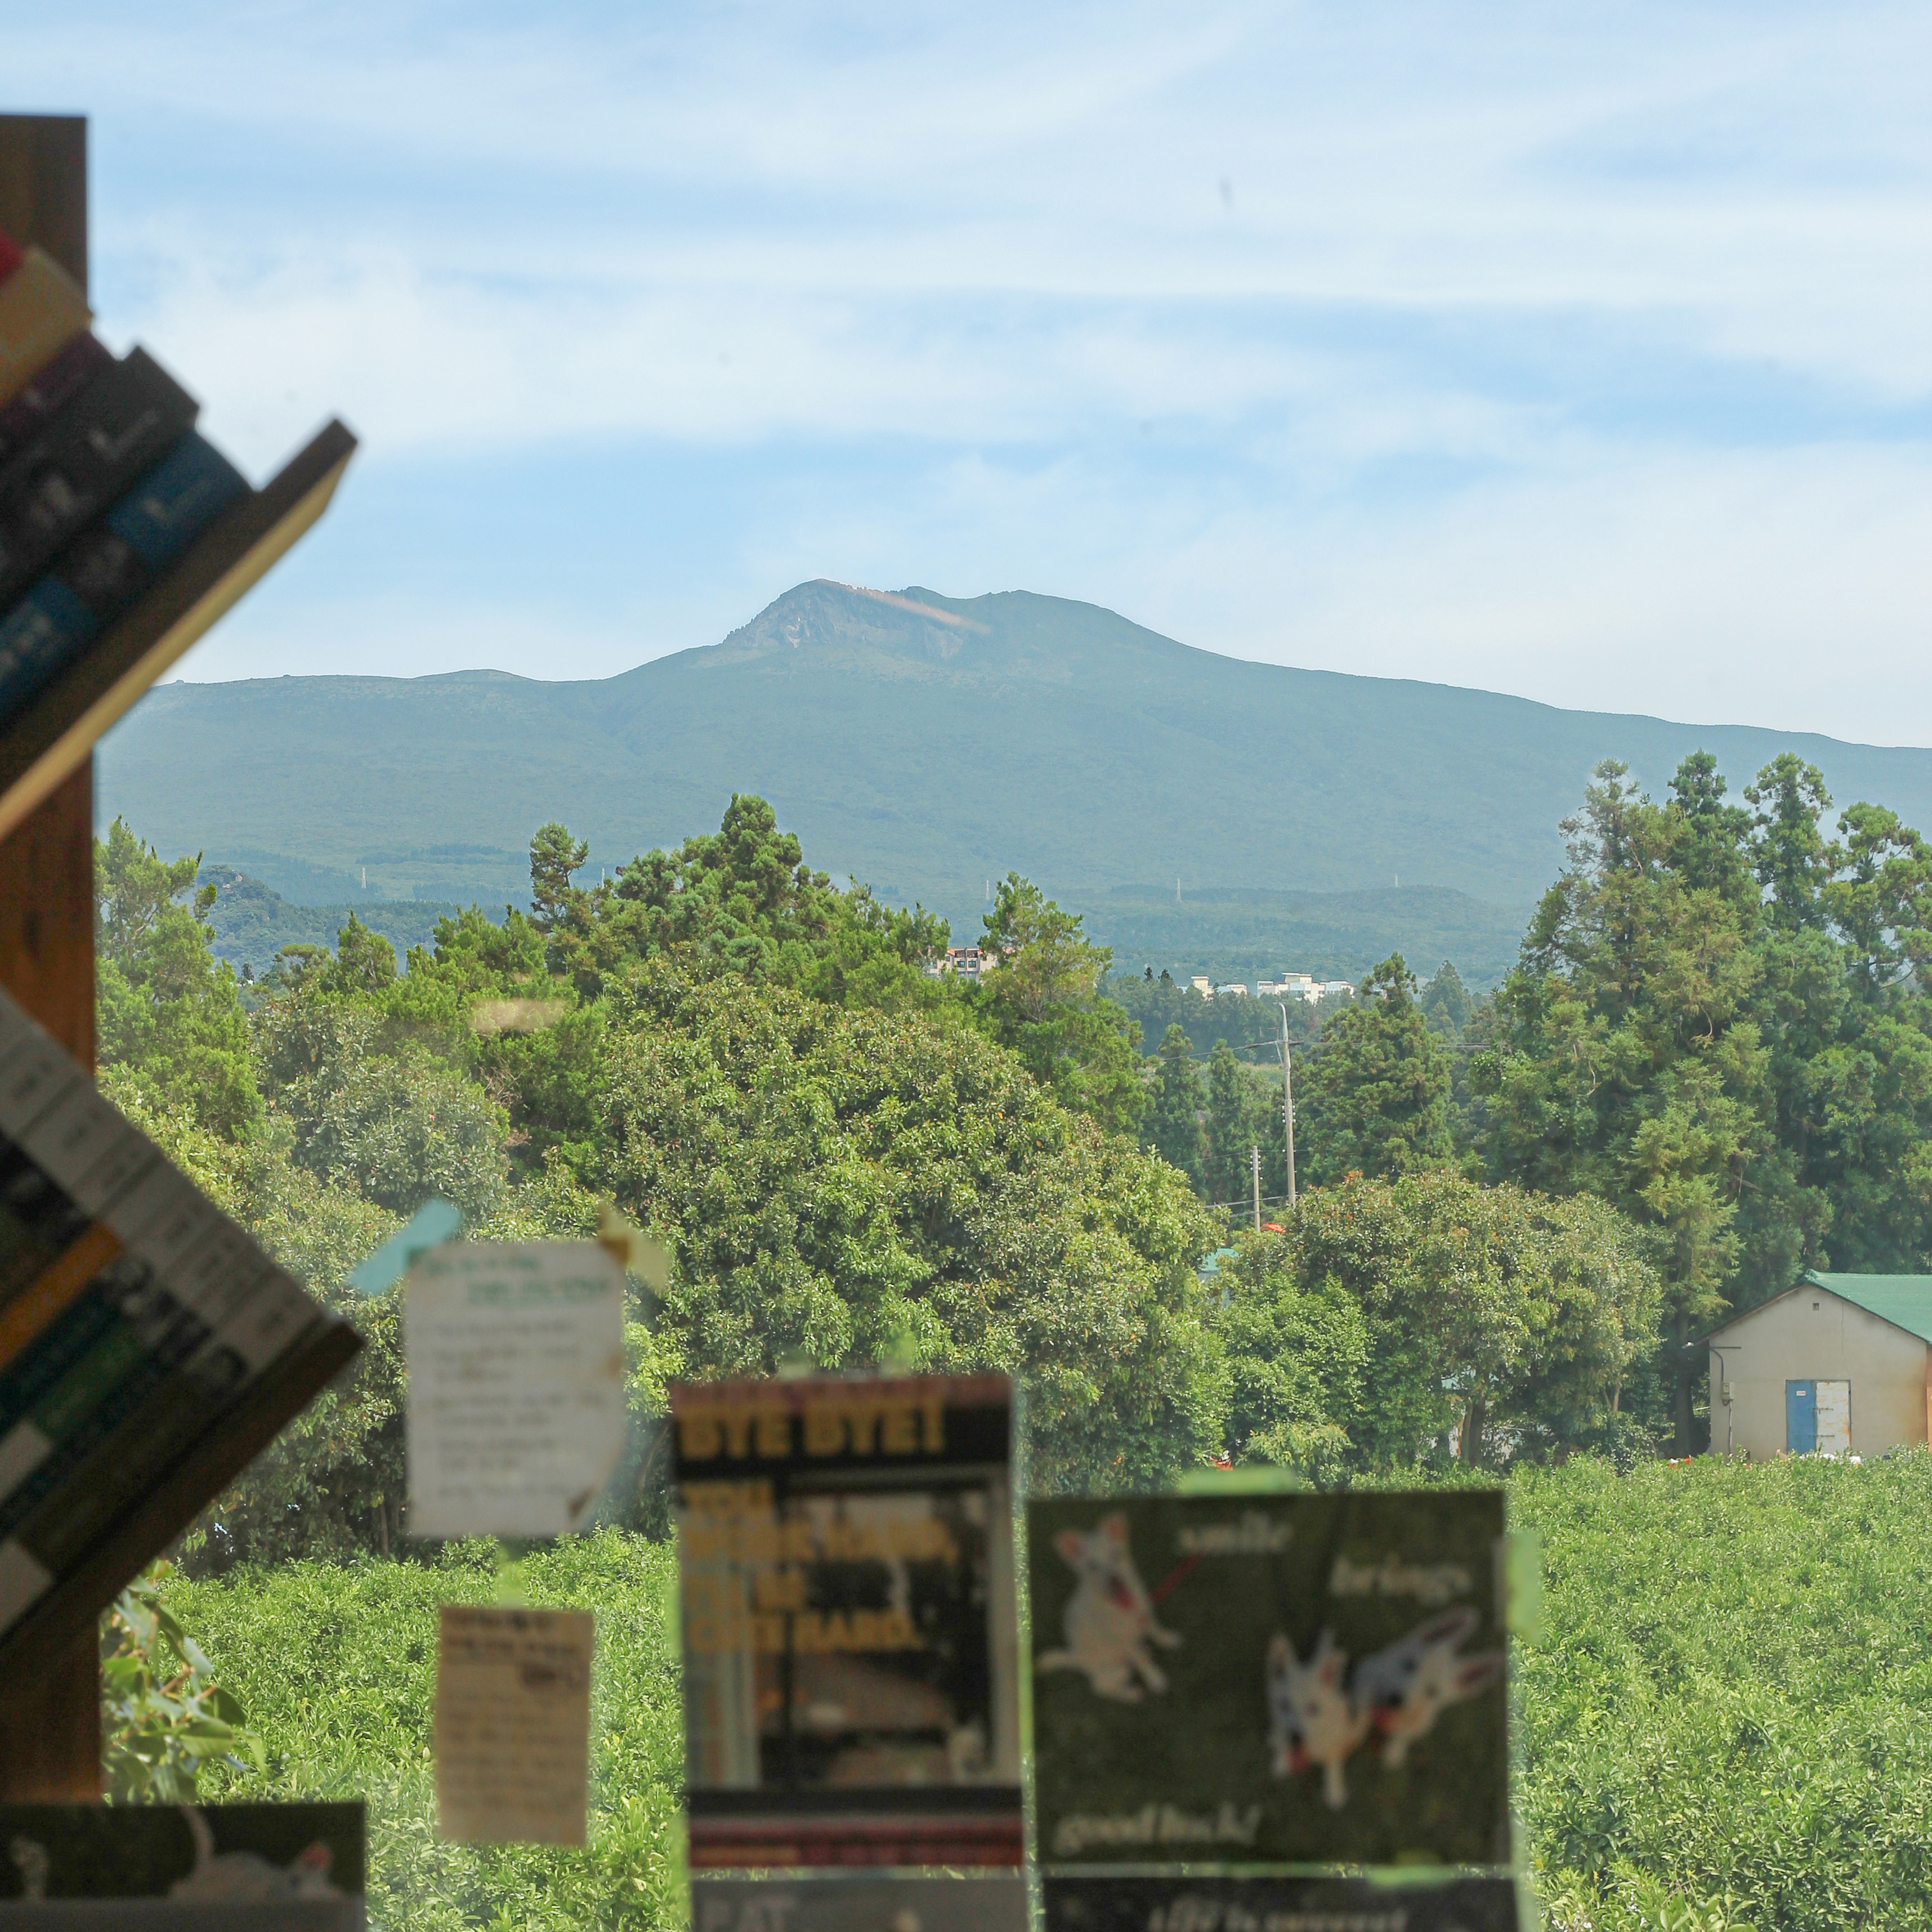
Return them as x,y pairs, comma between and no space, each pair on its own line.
50,1670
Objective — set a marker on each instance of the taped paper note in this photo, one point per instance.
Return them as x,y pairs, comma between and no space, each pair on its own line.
516,1365
513,1726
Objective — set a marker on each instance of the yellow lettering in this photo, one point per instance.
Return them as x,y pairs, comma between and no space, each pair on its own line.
738,1432
698,1435
901,1435
774,1433
863,1419
824,1430
933,1411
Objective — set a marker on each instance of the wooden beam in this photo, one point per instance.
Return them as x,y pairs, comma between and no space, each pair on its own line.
50,1722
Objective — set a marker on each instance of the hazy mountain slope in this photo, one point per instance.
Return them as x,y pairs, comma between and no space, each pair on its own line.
922,743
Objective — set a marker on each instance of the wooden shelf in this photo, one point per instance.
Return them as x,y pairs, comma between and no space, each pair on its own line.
51,737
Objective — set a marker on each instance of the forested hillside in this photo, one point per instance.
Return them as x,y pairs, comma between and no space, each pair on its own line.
926,744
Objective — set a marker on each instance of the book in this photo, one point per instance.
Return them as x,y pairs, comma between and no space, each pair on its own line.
72,368
845,1555
119,424
108,566
41,307
150,1316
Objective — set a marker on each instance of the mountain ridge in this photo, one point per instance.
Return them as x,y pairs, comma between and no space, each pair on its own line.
923,743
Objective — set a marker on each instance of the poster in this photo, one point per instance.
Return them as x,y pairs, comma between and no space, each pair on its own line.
831,1903
1250,1680
851,1670
182,1868
1093,1904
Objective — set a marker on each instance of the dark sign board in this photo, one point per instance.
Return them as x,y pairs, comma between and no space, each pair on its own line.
1271,1679
835,1903
1093,1904
181,1867
851,1674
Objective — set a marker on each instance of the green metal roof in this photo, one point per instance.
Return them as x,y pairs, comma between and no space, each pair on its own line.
1905,1300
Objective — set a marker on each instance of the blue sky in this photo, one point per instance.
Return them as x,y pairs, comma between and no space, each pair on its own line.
1581,352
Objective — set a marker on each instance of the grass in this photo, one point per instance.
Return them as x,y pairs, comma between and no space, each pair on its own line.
1730,1700
337,1668
1724,1725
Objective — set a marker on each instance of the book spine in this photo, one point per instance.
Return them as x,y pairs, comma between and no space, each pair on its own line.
52,388
171,1413
38,1223
120,424
106,569
148,1326
41,309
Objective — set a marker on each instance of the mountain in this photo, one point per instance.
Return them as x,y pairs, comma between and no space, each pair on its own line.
924,744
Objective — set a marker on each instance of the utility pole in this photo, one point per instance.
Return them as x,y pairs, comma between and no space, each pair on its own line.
1255,1155
1287,1100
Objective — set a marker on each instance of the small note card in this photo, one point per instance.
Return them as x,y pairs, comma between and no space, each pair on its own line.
516,1367
513,1726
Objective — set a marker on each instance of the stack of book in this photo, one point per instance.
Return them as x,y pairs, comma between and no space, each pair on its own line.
103,482
137,1324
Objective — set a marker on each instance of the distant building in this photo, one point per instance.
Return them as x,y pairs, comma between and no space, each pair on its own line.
1231,992
968,961
1841,1364
1202,985
1290,986
1335,989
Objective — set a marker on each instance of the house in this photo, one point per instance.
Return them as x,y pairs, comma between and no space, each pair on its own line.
1841,1364
1202,985
968,961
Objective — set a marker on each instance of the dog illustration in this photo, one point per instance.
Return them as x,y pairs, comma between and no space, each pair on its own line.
1110,1618
247,1877
1401,1691
1312,1718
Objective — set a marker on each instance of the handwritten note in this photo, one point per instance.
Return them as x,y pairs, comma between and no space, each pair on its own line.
516,1365
513,1726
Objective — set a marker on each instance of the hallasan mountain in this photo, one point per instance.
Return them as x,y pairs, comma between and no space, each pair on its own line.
923,743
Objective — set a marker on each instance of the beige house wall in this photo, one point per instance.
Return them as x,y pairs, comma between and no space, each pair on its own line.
1809,1335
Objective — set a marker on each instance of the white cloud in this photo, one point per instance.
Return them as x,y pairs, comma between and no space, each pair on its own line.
1585,352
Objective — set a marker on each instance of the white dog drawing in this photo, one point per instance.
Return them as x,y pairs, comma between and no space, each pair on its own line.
1403,1690
1312,1718
1110,1619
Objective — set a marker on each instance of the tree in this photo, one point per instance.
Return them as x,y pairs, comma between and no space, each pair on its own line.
1040,998
1243,1113
554,856
1173,1125
1446,1004
1376,1100
1511,1318
166,1008
852,1189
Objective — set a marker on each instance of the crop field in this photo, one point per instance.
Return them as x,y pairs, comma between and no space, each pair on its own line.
1726,1723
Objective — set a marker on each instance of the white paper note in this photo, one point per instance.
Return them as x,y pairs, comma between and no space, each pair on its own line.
513,1726
516,1403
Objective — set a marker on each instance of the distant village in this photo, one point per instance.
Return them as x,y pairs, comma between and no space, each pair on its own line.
971,962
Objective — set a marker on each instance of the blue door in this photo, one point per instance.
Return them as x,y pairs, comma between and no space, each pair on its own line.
1800,1417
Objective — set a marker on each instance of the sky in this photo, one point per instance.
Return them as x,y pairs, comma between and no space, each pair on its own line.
1580,352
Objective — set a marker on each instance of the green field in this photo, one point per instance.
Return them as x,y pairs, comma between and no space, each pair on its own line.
1724,1724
